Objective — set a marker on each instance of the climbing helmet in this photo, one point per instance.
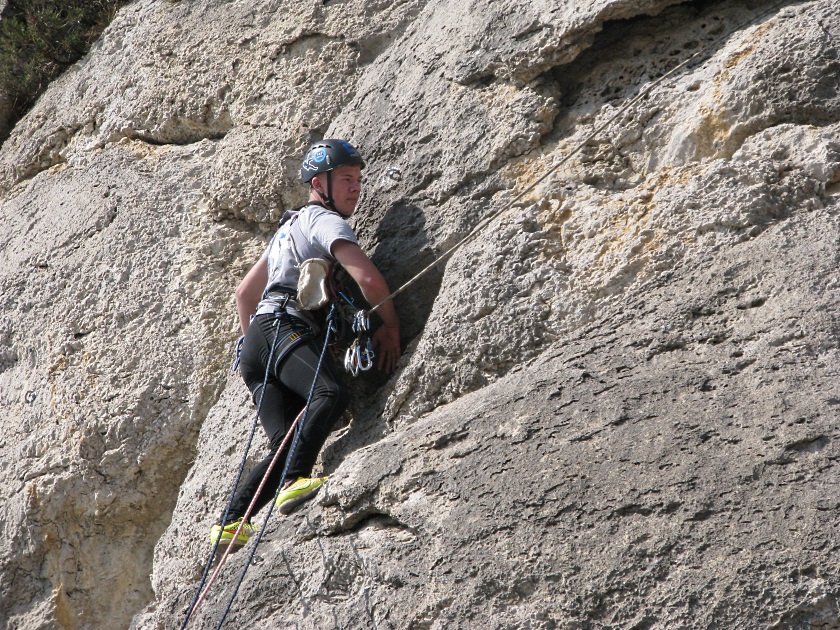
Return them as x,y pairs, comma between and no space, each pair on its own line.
327,155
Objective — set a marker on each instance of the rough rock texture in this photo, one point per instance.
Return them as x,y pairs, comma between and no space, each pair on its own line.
619,402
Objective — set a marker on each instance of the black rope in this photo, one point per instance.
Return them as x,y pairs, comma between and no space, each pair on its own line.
242,464
289,458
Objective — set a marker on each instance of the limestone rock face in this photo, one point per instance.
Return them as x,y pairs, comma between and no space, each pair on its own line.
618,404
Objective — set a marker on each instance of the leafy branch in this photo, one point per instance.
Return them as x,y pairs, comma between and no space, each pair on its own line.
40,39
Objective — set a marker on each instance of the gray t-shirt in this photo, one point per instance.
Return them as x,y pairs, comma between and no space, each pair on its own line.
314,230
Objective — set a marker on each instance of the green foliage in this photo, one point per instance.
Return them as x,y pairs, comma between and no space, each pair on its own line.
39,39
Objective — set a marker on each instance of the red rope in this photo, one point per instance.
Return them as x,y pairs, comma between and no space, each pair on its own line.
245,518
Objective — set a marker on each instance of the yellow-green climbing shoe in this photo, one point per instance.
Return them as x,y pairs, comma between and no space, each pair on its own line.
229,530
301,490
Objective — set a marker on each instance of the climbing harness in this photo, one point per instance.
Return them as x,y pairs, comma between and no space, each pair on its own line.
295,429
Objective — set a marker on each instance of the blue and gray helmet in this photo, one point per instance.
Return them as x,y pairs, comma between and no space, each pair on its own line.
327,155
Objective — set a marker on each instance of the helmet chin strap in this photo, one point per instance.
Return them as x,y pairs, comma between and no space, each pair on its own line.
327,198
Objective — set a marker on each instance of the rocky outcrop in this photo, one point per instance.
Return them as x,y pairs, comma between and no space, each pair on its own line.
618,402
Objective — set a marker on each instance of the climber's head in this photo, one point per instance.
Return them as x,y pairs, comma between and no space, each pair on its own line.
333,170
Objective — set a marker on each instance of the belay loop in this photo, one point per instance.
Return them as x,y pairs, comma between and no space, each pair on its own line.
359,356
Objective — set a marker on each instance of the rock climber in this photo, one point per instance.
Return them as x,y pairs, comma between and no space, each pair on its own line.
266,301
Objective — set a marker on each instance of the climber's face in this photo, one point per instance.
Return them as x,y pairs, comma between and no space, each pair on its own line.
346,187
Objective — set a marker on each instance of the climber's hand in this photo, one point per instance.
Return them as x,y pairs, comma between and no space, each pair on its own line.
386,345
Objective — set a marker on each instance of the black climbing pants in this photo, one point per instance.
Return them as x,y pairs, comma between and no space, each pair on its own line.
290,379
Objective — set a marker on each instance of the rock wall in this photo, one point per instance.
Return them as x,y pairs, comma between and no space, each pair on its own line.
618,403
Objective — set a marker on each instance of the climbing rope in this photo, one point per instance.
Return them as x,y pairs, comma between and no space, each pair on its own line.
289,458
208,565
641,95
296,429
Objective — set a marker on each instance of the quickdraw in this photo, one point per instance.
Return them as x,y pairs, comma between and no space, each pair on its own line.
361,322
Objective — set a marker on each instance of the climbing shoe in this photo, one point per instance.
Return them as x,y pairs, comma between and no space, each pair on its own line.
301,490
226,533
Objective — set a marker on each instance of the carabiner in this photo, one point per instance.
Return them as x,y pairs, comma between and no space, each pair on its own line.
366,356
348,361
359,356
361,322
351,361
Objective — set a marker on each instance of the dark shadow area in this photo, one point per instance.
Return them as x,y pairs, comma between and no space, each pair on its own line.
620,60
403,251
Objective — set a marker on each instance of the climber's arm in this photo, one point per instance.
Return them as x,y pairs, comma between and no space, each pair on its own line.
249,292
